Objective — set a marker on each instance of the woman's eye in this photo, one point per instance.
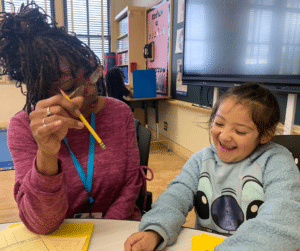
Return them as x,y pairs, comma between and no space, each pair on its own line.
71,89
240,133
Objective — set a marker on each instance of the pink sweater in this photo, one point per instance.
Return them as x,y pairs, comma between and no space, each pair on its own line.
45,201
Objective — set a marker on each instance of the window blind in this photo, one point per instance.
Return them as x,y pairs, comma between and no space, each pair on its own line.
84,18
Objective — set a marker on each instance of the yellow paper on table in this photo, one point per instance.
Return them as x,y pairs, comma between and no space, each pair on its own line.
205,242
69,236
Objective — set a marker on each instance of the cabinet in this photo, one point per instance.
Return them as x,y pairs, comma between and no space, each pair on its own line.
130,41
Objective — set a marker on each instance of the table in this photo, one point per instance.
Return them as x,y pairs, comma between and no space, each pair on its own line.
144,103
110,235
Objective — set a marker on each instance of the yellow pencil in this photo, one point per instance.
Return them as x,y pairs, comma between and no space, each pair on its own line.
87,124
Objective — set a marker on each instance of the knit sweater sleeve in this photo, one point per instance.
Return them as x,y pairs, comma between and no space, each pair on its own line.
277,224
170,210
121,207
42,200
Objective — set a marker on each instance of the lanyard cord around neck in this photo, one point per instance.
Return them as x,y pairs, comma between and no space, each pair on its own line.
88,179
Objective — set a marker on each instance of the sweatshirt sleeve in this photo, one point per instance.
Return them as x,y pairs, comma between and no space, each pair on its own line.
42,200
124,205
170,210
277,224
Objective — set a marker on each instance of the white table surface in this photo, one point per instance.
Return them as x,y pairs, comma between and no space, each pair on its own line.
110,235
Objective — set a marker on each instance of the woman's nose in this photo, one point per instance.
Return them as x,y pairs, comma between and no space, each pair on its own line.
90,89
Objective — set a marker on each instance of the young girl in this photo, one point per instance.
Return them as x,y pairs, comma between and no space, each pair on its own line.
242,185
115,84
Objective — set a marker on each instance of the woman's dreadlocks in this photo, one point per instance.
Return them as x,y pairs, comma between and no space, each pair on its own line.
30,48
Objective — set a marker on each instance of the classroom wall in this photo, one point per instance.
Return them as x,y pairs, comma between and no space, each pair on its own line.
11,101
187,127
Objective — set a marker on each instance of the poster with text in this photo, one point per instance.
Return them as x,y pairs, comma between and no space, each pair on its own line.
180,88
180,16
179,41
158,32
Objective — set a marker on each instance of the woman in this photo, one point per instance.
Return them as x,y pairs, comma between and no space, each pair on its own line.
60,172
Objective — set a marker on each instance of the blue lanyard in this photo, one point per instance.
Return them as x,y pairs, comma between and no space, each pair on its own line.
86,180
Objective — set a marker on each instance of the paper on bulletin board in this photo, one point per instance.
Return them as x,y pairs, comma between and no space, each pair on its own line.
179,41
180,88
180,15
158,23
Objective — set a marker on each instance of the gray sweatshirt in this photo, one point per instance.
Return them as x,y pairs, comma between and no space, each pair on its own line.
257,200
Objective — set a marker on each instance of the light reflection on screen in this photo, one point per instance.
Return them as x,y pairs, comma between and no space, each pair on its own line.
242,37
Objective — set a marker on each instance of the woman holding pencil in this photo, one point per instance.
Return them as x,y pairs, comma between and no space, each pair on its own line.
75,153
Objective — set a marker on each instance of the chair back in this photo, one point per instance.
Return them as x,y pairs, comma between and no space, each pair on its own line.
143,136
292,143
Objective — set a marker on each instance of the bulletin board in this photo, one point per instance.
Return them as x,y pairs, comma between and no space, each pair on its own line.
158,32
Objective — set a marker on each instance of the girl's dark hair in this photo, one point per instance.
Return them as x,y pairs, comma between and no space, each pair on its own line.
113,79
30,48
262,103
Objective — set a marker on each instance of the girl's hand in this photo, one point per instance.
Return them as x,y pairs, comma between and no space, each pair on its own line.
48,131
143,241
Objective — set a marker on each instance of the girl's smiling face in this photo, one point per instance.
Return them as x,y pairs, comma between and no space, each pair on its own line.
234,134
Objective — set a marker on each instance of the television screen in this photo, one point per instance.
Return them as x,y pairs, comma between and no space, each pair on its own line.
124,69
242,40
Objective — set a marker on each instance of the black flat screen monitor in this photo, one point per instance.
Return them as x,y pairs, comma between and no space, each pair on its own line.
124,69
232,41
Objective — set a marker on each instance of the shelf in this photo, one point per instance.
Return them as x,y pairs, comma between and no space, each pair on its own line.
120,38
128,48
120,52
122,14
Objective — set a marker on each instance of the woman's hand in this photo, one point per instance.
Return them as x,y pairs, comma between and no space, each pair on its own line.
49,130
143,241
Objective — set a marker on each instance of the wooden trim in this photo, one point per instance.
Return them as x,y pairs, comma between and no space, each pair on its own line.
59,13
170,47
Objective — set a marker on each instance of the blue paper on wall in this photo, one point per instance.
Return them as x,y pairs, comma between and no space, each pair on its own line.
144,84
6,162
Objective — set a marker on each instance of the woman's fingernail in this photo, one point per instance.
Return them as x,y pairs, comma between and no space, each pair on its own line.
80,124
